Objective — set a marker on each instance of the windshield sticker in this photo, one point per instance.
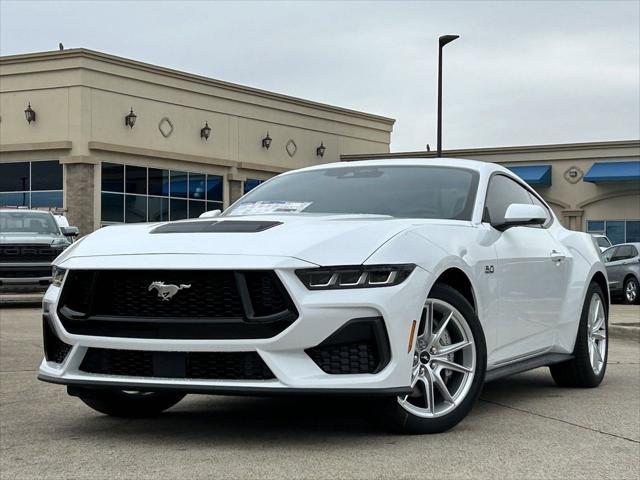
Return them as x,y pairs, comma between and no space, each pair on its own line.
266,206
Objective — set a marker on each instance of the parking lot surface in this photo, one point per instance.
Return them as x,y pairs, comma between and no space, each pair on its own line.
523,427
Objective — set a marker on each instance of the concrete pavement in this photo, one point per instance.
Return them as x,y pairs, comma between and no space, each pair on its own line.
523,427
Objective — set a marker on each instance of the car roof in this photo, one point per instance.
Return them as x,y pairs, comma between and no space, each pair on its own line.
482,167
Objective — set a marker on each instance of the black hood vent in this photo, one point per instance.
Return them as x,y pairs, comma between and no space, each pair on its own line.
225,226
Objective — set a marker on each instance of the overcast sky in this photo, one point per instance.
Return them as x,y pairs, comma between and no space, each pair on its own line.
522,72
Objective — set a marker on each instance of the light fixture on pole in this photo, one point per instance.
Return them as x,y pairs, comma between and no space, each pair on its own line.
442,41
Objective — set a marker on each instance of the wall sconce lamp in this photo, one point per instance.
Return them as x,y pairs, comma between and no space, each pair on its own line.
130,119
30,114
266,141
320,150
205,131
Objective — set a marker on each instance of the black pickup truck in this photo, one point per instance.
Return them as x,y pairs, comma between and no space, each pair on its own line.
29,241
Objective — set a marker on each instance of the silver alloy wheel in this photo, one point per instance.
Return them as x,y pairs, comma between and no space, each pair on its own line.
444,362
596,333
631,291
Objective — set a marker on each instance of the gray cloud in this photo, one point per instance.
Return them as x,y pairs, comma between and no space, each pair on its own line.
521,73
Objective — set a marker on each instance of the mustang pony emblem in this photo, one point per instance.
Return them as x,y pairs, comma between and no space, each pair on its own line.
165,292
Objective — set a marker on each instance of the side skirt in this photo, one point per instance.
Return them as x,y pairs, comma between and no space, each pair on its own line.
527,364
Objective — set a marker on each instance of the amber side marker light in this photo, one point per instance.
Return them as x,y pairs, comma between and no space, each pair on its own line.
413,331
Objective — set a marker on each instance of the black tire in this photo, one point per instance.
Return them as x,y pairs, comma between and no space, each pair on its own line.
578,372
631,281
405,422
117,403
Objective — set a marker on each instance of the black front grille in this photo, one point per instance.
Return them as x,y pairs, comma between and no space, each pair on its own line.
202,294
360,346
216,304
24,272
28,253
55,350
200,365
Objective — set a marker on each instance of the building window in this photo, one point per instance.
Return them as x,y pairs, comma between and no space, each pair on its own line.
31,184
140,194
618,231
251,183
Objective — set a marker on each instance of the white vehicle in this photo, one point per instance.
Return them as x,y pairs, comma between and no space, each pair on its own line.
412,280
602,241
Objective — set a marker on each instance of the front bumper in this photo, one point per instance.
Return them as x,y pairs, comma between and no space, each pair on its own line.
31,274
321,313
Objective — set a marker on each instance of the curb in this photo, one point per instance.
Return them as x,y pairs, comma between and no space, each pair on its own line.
625,332
21,300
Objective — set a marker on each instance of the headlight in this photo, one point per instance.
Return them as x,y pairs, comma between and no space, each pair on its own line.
57,276
358,276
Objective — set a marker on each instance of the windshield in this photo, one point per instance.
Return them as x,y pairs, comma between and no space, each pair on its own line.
28,222
397,191
603,242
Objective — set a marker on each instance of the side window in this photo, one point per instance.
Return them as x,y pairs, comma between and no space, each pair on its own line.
501,193
625,252
608,255
633,252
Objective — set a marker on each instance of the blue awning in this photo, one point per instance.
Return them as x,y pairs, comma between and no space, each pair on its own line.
602,172
535,175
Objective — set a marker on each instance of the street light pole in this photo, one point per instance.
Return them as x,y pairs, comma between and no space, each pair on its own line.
442,41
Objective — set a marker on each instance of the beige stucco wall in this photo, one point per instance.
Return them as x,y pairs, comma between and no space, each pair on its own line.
81,98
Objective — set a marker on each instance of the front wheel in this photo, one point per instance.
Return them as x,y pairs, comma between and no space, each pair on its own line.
449,364
129,404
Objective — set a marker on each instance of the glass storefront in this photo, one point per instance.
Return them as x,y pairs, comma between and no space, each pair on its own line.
618,231
140,194
31,184
251,183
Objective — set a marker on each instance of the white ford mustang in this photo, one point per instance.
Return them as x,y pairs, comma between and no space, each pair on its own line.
412,280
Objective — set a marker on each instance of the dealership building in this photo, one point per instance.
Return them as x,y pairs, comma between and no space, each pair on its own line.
110,140
115,140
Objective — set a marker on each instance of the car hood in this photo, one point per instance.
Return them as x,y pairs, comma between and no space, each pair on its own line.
23,239
323,240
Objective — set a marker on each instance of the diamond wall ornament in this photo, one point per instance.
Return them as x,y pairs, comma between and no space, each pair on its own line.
291,148
166,127
573,175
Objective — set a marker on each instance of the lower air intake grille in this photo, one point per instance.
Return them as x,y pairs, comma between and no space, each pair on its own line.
360,346
344,359
55,350
202,365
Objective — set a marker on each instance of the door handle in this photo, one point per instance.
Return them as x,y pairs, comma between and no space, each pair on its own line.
557,256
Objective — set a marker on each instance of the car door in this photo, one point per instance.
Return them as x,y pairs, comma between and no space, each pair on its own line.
532,269
617,267
614,268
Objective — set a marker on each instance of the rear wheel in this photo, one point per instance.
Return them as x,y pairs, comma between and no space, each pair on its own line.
449,363
631,291
130,404
589,362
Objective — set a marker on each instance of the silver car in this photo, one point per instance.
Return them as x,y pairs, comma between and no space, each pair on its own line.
623,269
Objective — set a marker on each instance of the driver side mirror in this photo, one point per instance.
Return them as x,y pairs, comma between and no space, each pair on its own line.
70,231
522,214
